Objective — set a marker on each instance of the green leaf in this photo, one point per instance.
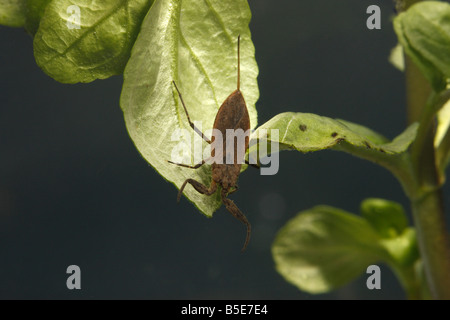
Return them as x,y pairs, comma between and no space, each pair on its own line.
95,46
308,132
397,58
424,32
35,11
324,248
403,249
193,43
12,13
387,217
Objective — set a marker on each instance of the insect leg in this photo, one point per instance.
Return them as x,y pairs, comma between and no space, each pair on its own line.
234,210
189,119
199,187
198,165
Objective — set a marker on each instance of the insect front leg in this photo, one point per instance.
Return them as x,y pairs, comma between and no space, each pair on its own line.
189,119
198,165
199,187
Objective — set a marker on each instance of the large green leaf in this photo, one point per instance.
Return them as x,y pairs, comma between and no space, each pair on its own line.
98,49
13,12
424,32
324,248
193,43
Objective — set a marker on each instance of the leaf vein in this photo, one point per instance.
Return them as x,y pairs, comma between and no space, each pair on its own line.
200,66
89,30
220,21
287,129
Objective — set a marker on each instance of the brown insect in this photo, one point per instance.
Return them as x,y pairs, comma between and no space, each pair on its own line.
232,114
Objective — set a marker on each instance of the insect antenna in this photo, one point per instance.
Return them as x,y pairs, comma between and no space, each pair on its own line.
239,63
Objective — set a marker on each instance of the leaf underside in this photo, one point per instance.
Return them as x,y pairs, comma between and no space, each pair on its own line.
171,47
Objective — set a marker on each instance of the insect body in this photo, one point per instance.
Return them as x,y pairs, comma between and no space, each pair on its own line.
232,115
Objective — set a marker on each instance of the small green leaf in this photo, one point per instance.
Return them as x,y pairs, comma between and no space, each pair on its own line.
387,217
403,249
424,32
324,248
397,58
81,40
193,43
12,13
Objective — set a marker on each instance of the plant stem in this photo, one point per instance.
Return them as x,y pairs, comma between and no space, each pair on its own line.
427,200
409,281
417,91
433,242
